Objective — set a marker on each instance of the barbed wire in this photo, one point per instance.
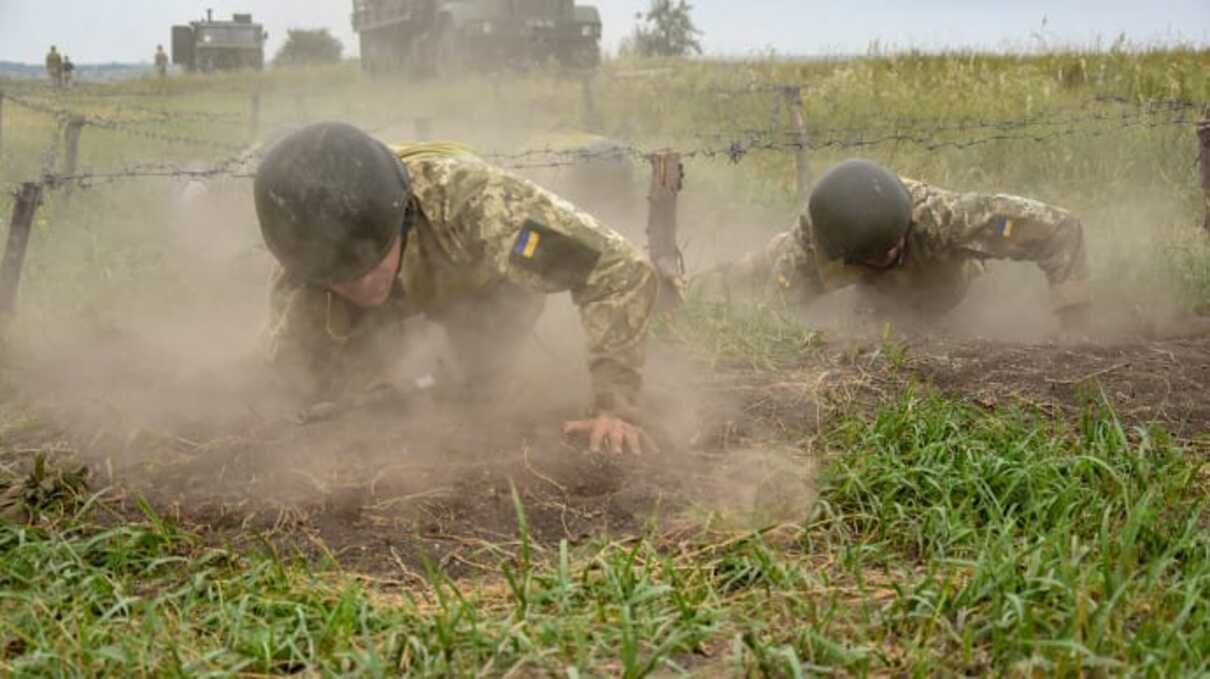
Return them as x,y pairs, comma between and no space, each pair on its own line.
962,125
860,136
167,138
734,151
1143,103
911,130
128,127
159,115
165,116
729,145
736,147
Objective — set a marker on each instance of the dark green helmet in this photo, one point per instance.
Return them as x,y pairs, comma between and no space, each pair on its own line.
859,210
331,201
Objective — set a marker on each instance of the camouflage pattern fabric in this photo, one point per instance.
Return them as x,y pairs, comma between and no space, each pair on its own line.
952,235
485,249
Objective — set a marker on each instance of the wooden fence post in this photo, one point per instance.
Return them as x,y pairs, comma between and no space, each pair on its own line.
1203,137
798,121
1,125
28,199
667,179
592,117
71,141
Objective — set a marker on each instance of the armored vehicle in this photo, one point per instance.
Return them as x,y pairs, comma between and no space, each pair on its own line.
211,45
440,37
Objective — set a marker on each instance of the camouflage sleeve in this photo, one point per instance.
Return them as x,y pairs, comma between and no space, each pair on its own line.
307,338
1000,226
540,242
785,270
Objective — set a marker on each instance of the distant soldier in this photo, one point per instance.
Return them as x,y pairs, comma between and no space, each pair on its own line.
909,246
367,236
69,70
161,61
54,66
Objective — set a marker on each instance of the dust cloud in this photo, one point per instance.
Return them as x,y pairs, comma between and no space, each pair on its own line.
161,386
160,383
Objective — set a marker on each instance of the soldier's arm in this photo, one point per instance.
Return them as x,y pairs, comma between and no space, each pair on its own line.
540,242
307,337
1002,226
784,269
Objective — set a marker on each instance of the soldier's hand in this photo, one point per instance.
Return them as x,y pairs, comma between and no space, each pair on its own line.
612,432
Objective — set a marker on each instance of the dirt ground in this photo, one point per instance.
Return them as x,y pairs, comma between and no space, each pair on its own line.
393,487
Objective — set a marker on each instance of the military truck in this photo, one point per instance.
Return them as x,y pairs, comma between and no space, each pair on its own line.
210,45
445,37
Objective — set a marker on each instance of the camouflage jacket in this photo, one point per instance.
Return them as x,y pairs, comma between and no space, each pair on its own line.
477,227
952,234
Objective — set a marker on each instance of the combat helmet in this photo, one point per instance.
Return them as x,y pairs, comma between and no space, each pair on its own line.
859,210
331,201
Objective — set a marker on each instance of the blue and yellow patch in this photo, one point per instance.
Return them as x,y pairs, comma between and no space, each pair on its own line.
1004,227
527,242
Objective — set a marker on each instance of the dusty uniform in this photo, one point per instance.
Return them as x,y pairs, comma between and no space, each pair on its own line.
483,249
952,234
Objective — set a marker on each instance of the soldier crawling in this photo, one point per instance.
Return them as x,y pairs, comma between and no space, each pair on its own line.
365,235
909,246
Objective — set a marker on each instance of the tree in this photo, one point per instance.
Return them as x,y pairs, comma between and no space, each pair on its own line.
304,47
666,30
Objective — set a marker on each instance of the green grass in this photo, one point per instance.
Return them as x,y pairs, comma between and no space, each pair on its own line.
946,539
1041,546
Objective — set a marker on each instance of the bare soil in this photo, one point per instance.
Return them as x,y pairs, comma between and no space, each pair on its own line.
392,488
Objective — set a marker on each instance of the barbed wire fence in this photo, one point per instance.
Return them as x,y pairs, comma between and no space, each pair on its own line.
667,162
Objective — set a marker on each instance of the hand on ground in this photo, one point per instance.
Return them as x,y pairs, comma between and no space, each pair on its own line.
610,432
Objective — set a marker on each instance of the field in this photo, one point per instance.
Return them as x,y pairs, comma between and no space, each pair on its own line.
831,495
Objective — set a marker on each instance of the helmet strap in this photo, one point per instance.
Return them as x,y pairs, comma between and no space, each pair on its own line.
411,215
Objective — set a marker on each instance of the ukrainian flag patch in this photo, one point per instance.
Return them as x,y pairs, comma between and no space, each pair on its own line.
527,242
1004,227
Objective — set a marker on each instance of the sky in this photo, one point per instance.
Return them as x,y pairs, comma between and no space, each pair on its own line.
93,31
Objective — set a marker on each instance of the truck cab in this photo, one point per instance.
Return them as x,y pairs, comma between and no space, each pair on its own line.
211,45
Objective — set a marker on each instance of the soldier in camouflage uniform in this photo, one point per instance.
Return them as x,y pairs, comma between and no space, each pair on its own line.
909,246
367,236
161,61
54,66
